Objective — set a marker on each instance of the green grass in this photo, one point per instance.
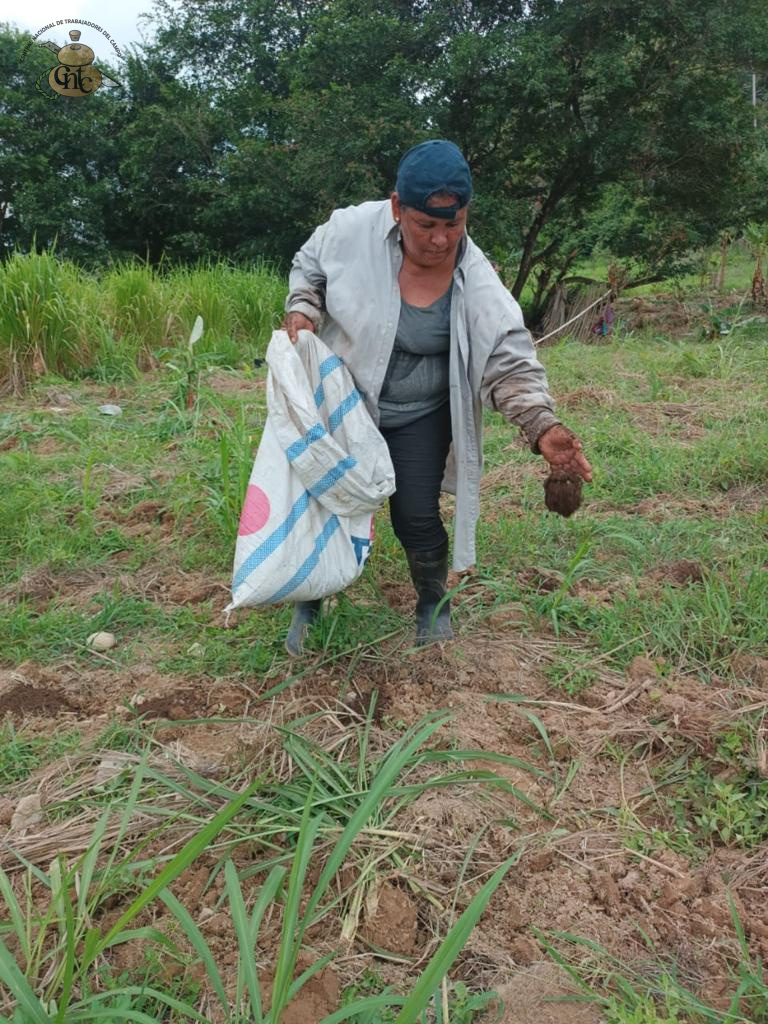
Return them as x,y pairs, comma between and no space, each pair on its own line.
738,276
56,318
51,945
20,754
103,517
59,515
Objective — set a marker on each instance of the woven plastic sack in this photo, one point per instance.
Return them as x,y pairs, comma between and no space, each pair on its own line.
321,471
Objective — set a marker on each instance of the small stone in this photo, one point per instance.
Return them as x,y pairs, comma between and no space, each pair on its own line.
196,650
110,410
101,641
28,812
109,768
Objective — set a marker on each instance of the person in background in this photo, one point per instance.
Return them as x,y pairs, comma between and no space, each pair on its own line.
400,292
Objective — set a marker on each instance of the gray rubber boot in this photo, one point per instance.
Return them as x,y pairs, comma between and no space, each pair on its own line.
429,572
304,615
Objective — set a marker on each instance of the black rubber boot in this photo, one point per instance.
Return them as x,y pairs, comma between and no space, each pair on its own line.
429,572
304,615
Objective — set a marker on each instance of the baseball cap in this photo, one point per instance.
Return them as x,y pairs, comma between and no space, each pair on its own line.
434,166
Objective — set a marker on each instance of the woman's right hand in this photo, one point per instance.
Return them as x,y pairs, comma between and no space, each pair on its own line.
295,322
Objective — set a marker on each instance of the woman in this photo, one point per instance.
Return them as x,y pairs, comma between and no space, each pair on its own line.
400,292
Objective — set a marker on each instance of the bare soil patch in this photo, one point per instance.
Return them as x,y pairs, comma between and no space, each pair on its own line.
22,700
576,873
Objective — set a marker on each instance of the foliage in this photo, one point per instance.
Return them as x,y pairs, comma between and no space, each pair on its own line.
627,995
243,123
756,237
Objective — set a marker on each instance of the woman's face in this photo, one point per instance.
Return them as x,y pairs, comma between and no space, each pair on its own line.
430,241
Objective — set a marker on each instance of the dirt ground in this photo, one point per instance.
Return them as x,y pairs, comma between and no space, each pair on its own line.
577,874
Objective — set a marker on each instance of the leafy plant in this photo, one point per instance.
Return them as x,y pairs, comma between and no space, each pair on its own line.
187,369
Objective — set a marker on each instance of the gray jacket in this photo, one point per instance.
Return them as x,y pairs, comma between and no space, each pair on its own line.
345,280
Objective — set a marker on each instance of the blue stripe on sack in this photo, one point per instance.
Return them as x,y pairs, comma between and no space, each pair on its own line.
332,476
299,447
343,408
272,542
300,506
309,564
327,366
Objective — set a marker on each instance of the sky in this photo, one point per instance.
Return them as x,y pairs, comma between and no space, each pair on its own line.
119,20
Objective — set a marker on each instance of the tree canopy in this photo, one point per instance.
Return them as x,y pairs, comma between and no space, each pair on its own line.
243,123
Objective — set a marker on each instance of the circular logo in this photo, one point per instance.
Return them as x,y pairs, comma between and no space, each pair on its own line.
74,80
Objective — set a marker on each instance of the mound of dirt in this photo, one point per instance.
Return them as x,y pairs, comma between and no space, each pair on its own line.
22,700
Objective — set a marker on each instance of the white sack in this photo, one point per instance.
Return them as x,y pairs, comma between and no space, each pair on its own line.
321,471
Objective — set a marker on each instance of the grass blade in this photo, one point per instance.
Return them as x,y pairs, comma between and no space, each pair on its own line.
198,943
17,984
246,942
17,918
293,929
393,764
370,1004
450,948
189,852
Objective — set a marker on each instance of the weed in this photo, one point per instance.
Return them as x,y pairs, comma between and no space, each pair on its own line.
21,754
573,672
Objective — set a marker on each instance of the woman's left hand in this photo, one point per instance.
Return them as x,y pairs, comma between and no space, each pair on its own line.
562,450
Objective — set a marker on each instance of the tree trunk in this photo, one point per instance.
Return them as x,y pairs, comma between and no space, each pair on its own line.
758,284
528,260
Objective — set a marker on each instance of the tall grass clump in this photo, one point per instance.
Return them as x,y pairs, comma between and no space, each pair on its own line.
45,324
137,309
57,318
240,306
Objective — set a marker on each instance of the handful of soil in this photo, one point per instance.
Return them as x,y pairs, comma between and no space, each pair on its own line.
562,492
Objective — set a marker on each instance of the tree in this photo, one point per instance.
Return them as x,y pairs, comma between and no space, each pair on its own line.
590,107
51,186
588,124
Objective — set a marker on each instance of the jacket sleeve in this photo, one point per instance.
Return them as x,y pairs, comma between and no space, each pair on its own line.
514,381
307,279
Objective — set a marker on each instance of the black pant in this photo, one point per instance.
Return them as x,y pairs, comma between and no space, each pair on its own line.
418,452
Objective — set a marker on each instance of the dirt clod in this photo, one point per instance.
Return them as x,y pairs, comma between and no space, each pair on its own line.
562,493
524,950
393,924
175,706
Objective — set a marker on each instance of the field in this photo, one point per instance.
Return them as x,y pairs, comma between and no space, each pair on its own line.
567,806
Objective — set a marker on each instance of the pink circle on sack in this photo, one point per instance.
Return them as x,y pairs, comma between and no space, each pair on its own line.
255,511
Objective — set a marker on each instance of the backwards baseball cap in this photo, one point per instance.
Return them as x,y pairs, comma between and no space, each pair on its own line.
434,166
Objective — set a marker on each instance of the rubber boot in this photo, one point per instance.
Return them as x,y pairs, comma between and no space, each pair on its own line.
304,615
429,572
